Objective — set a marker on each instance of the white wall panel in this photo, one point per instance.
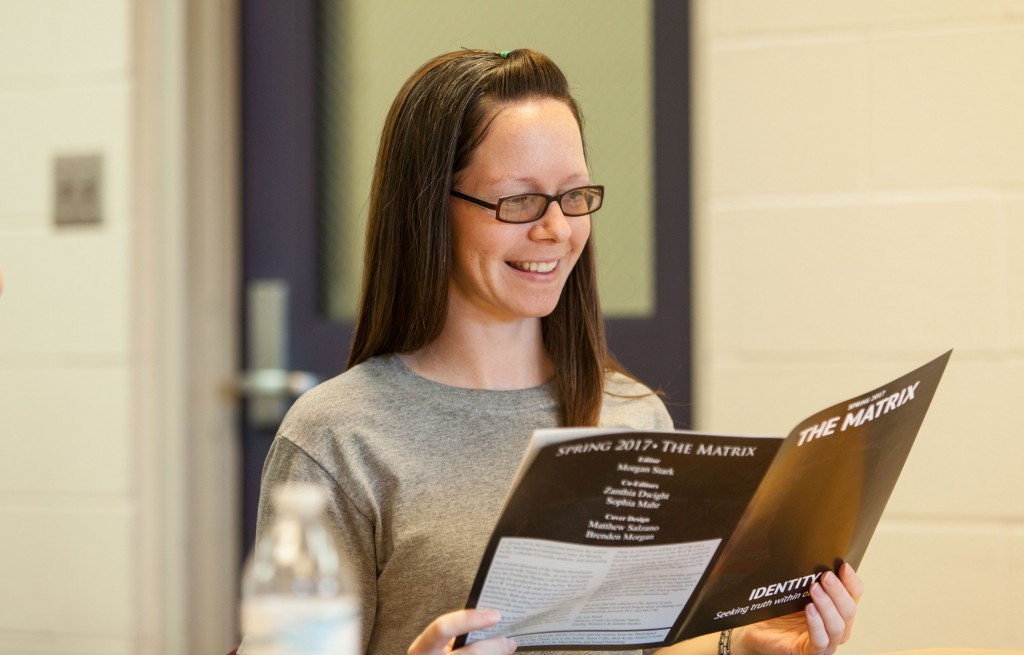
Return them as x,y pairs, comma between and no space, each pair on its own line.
66,295
785,119
864,278
1015,273
65,431
42,39
945,109
935,585
66,567
813,16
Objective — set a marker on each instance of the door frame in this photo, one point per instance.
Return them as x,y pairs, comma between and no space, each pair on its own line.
213,223
185,251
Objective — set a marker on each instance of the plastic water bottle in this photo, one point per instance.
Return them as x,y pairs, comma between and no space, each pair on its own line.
297,597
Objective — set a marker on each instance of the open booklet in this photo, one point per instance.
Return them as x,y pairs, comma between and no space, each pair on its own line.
614,539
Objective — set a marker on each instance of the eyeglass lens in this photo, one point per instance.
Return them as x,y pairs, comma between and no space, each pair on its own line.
530,206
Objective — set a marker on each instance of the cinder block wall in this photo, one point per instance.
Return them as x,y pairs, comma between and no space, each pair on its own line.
68,502
859,209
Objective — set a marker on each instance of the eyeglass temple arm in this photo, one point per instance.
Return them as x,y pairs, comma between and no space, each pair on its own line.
475,201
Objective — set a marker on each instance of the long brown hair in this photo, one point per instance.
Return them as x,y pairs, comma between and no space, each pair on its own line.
439,117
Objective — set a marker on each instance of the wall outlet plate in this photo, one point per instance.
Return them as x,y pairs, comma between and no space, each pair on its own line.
78,190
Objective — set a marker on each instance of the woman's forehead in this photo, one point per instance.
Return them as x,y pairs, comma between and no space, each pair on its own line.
526,136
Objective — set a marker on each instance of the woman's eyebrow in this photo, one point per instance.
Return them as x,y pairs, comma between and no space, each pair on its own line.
502,179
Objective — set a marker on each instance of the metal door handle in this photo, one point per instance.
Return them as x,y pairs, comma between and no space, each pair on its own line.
276,383
269,384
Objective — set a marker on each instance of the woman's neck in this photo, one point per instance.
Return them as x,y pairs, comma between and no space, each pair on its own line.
475,356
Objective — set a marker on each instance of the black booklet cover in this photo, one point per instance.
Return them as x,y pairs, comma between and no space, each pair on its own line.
615,539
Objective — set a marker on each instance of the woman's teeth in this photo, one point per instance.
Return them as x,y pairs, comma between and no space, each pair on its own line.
536,267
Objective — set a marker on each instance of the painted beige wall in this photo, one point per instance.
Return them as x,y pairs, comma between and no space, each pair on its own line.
117,442
69,504
859,210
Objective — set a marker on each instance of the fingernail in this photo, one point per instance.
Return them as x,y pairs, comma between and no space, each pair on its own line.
512,645
492,615
812,610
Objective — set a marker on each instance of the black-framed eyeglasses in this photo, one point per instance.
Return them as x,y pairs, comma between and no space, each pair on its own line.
529,207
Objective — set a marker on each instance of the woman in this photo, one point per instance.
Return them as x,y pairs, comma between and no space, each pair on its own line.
479,322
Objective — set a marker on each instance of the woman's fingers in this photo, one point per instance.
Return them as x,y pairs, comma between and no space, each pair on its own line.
816,634
830,617
854,585
439,635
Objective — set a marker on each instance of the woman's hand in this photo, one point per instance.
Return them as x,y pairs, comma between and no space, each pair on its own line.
439,636
824,624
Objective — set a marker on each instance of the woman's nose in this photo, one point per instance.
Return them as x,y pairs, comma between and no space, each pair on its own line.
553,224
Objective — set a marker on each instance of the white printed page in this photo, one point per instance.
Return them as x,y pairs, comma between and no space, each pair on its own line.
561,593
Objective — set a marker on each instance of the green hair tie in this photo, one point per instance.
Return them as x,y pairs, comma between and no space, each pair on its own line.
504,54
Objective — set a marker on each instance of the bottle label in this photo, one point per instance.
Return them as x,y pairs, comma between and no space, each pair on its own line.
277,625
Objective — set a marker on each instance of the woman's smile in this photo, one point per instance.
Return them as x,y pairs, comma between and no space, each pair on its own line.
535,267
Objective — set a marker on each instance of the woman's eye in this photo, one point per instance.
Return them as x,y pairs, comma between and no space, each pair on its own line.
575,201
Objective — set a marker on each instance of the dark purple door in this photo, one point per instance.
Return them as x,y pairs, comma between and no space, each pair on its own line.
280,210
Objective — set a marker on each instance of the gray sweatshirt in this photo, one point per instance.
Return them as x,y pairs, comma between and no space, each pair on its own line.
417,474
